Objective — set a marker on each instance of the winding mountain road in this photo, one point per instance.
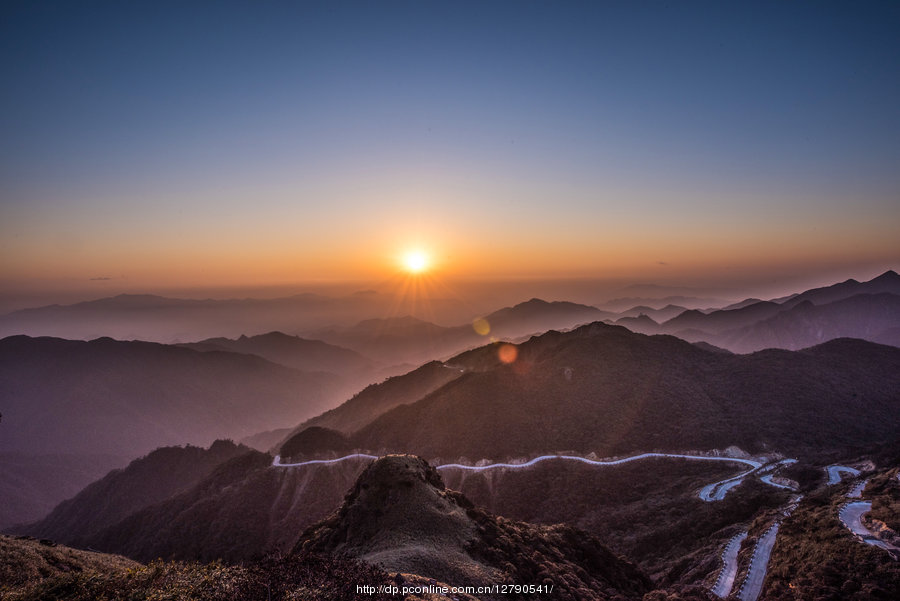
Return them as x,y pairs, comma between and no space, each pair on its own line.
711,492
759,562
851,516
774,467
768,480
834,472
752,585
725,581
717,490
277,461
490,466
856,491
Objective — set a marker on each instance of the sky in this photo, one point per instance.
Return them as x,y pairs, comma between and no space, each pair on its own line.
159,145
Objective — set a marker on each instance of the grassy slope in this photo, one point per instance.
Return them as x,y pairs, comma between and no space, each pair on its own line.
26,561
30,571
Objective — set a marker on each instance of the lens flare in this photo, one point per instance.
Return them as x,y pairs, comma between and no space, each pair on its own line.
507,353
481,326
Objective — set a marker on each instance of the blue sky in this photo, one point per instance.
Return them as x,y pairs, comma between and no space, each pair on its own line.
158,141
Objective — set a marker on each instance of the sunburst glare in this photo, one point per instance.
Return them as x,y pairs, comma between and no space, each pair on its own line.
416,261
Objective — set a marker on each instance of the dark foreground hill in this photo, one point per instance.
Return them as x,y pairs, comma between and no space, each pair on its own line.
398,510
606,390
246,508
25,561
400,516
32,570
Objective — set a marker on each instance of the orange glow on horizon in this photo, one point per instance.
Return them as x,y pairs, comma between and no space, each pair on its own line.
440,249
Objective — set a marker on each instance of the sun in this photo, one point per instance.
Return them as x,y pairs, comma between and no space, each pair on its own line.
415,261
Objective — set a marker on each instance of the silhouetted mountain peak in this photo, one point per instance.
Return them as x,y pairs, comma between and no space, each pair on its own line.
274,335
533,302
138,297
845,347
888,276
540,315
392,471
397,499
314,439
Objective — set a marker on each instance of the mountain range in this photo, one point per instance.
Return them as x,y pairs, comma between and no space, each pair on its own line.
291,351
499,394
606,390
169,320
598,389
399,517
354,370
868,310
407,339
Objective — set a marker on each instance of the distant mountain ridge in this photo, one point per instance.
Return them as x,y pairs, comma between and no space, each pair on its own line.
108,396
868,310
874,317
291,351
889,282
354,370
408,339
168,320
